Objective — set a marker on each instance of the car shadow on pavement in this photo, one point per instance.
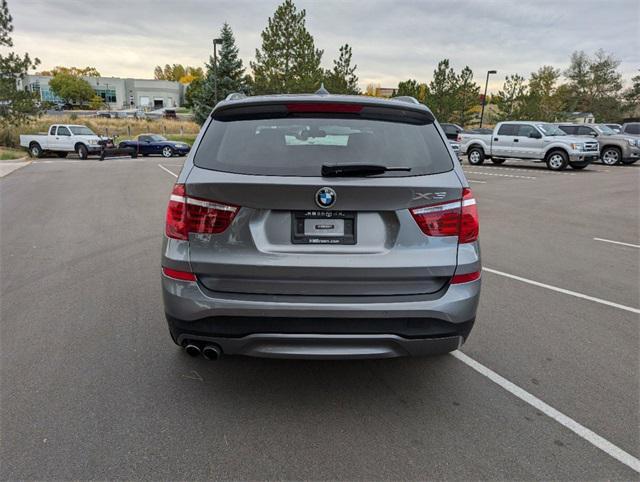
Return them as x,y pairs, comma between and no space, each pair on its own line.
313,383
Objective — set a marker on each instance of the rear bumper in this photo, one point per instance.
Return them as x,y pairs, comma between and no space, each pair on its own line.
327,347
189,301
320,326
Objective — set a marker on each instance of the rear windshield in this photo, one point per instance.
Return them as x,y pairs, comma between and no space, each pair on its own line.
299,146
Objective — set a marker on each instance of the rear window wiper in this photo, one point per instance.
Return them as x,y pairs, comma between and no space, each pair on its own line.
356,170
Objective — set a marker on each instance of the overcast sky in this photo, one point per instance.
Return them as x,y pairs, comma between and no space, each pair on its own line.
392,40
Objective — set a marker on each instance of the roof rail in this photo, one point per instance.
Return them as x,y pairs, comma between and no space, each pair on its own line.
235,96
406,98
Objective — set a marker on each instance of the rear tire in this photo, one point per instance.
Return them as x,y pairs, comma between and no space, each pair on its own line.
475,156
35,150
83,152
498,161
611,156
557,160
62,155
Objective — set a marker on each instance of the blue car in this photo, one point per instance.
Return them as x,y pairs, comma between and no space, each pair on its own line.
147,144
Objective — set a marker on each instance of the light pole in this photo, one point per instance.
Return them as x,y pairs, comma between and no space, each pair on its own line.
484,97
216,42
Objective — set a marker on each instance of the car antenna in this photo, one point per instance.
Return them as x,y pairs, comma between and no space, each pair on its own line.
322,90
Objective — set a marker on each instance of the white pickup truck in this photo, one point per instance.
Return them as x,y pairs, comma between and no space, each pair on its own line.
62,139
534,141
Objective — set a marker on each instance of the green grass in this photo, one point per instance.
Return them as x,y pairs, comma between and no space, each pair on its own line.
187,138
7,153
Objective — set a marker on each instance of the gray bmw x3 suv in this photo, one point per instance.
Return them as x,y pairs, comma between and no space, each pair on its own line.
321,226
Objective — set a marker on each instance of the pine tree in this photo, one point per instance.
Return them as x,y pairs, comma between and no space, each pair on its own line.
229,75
443,91
510,101
632,96
288,61
542,101
596,84
412,88
342,79
467,96
16,106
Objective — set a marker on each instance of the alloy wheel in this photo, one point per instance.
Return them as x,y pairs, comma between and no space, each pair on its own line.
610,157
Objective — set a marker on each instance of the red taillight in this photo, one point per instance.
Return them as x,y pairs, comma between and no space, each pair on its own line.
176,225
469,225
194,215
335,108
451,218
465,278
179,275
438,220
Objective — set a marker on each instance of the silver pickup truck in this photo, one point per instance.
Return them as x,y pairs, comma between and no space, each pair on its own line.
533,141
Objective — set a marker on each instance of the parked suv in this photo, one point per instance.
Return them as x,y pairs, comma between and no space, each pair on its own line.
614,148
321,226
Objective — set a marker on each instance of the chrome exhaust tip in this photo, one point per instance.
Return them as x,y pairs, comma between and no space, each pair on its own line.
212,352
192,350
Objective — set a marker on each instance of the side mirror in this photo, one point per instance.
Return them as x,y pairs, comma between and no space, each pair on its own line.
535,135
593,134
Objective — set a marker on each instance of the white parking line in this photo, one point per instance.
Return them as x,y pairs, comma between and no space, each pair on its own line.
475,180
617,242
562,290
499,175
167,170
522,169
580,430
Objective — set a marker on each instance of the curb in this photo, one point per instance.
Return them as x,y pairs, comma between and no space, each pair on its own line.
17,165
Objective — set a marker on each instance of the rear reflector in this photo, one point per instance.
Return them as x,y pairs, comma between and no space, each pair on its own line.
451,218
179,275
194,215
465,278
334,108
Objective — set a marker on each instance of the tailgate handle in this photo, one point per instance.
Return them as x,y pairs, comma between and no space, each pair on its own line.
516,140
496,139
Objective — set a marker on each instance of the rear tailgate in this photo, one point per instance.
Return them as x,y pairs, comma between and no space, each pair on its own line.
257,254
265,160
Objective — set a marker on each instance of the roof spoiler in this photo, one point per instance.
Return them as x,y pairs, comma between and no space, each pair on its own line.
409,113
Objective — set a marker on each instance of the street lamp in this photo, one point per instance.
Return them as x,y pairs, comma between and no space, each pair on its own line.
216,42
484,98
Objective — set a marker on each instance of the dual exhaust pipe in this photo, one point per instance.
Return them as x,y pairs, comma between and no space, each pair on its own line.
209,352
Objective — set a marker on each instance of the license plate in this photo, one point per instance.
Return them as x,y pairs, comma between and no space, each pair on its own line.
323,227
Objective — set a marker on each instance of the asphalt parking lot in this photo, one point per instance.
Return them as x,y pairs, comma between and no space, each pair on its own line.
547,387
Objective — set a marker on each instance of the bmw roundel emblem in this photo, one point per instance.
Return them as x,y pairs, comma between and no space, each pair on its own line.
326,197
